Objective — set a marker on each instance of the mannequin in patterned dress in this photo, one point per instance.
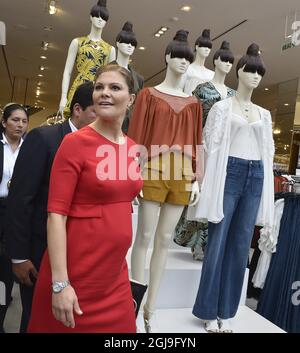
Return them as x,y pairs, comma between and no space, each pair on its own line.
189,232
90,52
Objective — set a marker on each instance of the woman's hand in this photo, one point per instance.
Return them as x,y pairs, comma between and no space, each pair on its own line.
63,305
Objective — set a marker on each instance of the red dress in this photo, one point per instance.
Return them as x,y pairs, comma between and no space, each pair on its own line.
99,233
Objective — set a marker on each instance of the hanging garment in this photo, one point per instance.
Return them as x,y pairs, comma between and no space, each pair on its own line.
279,301
90,56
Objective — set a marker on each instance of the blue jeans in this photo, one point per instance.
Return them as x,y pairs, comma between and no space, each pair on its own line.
229,241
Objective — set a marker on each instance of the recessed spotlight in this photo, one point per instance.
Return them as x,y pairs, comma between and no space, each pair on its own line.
286,104
48,28
42,68
157,35
266,89
52,7
142,48
45,45
164,29
186,8
161,32
40,75
43,57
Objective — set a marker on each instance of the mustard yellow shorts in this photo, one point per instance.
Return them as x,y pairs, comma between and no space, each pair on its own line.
168,179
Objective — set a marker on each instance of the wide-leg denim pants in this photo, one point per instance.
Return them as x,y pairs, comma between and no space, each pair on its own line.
229,241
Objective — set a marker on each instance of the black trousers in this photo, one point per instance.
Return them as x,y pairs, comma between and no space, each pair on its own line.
6,275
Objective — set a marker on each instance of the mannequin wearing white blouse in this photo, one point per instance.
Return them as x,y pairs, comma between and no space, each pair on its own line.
197,73
235,128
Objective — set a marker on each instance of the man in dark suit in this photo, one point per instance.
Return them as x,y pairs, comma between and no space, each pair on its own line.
26,217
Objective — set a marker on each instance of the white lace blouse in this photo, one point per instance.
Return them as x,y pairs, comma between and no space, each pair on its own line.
216,139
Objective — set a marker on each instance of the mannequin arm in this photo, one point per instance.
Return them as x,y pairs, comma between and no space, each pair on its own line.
72,53
195,194
112,55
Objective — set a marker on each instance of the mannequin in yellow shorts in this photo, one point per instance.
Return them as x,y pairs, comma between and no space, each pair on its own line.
164,117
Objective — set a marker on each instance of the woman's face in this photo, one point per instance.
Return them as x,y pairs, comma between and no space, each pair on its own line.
16,124
111,96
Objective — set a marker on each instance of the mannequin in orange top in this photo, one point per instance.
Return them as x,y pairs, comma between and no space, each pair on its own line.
165,117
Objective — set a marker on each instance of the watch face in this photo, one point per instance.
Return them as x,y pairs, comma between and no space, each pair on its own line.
56,288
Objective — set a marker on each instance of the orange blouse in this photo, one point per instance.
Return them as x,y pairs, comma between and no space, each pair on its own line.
163,119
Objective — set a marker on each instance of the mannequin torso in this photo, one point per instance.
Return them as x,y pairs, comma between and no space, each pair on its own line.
197,73
89,53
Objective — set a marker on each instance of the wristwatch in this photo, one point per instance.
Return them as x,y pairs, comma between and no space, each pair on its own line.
57,286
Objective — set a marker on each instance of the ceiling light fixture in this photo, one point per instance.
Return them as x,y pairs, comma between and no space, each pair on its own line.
266,89
45,45
286,104
186,8
52,7
42,68
40,75
164,29
157,35
43,57
142,48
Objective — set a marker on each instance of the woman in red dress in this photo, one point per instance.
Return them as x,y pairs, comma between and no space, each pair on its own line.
89,222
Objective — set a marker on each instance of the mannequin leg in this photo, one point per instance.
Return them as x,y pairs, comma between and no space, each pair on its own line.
168,219
148,213
236,253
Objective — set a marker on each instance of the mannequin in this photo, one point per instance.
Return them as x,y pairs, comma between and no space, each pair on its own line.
197,73
239,144
165,116
208,94
89,52
126,44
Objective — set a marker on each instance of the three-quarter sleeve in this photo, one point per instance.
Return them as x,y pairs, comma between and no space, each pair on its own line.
64,177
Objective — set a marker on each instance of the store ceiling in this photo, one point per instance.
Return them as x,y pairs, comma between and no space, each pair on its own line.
25,22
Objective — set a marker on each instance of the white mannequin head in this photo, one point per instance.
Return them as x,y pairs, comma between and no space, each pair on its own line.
125,49
223,58
203,52
180,50
98,22
249,79
99,15
126,40
177,65
250,69
203,44
223,66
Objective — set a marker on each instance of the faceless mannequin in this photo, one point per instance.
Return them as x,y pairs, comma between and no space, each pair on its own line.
94,40
169,212
242,145
197,73
126,44
208,94
124,53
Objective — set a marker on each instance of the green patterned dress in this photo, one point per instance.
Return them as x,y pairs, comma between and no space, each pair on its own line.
90,56
194,234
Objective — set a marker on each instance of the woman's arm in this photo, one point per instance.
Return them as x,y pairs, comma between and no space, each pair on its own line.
65,302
